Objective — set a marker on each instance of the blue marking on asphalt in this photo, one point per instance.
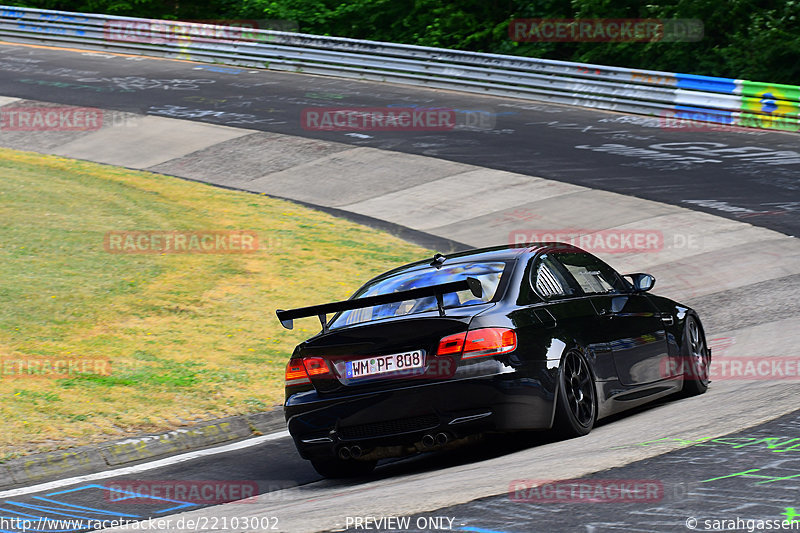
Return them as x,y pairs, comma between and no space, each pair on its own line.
44,508
92,510
130,496
480,530
49,507
15,512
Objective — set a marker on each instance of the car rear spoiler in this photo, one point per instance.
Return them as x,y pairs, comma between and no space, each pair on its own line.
471,284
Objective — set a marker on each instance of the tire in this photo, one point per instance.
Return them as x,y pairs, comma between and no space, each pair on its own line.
335,468
695,358
576,399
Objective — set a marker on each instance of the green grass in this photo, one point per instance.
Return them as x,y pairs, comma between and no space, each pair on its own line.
189,336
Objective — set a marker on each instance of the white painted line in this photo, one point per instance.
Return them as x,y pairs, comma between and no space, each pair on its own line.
144,466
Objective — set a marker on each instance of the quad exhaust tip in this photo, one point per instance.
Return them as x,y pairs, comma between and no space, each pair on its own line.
429,440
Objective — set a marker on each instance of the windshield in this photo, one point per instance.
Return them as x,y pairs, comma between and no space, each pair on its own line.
489,274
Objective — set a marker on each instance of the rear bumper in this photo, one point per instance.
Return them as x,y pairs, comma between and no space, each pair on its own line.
399,418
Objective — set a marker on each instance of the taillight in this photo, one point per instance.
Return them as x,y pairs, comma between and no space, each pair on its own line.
452,344
296,373
316,366
489,341
479,343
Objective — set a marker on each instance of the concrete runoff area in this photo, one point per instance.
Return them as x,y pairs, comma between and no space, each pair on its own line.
20,116
154,140
256,154
355,174
455,195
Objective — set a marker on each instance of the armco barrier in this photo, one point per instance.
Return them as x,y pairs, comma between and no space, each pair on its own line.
723,101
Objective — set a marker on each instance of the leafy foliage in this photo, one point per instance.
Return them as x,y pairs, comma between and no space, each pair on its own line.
750,39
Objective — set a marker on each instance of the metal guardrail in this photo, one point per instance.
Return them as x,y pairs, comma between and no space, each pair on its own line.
672,96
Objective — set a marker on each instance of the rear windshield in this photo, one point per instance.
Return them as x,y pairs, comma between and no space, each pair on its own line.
489,274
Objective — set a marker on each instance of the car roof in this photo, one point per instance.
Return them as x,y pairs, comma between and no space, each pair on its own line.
507,252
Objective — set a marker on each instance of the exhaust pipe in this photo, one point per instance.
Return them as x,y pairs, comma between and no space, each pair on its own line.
428,441
442,438
344,452
356,451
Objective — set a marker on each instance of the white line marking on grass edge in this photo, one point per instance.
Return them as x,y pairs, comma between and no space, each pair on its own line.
144,466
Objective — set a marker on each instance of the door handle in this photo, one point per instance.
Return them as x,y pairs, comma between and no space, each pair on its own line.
606,313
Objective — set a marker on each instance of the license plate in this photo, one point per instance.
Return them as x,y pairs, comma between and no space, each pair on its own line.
383,364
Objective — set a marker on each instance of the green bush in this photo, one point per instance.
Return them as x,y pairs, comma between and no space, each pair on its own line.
750,39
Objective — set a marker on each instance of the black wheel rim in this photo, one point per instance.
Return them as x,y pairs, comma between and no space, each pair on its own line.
698,352
579,389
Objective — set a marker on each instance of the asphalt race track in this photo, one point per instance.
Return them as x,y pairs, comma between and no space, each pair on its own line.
718,456
751,175
747,476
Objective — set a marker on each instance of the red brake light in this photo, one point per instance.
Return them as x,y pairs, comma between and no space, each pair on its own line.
478,343
315,366
452,344
489,341
296,373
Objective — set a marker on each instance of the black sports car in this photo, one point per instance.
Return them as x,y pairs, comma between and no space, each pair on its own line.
433,353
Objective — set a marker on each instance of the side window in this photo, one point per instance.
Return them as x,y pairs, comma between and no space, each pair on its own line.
549,281
591,274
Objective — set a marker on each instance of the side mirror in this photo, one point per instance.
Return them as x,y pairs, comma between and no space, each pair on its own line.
641,282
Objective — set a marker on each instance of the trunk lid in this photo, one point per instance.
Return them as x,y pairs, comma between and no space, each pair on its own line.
388,353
